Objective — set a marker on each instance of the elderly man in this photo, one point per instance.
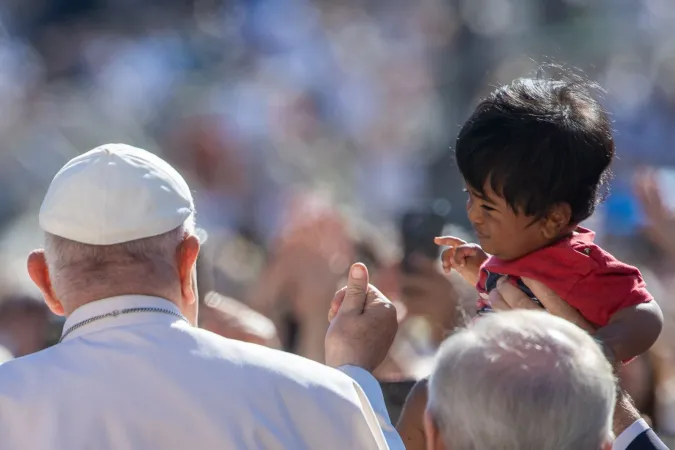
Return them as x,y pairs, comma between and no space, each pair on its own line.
521,380
631,430
132,372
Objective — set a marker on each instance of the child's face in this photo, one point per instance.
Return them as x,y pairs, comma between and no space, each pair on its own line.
501,231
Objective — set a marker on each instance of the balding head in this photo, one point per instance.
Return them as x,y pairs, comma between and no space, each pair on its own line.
521,380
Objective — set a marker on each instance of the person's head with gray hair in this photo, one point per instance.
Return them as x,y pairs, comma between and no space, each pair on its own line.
520,380
118,221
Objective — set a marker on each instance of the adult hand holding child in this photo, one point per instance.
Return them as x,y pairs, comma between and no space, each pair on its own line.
507,297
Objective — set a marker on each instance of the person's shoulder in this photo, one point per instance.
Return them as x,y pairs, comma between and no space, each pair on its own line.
27,375
609,286
606,263
253,355
563,261
579,257
255,360
256,369
582,243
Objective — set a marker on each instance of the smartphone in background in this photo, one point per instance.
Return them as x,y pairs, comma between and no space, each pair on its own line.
418,230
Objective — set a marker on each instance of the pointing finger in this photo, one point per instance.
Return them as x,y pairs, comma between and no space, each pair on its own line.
450,241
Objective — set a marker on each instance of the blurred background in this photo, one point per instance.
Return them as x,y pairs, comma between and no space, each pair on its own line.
307,129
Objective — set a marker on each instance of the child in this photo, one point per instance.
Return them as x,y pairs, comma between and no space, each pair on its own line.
535,158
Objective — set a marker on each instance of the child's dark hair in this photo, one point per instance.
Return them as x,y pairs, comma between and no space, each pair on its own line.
539,142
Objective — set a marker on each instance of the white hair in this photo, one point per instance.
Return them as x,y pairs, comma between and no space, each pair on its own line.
74,265
5,354
522,380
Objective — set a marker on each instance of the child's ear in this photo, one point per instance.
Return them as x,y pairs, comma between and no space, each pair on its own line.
557,219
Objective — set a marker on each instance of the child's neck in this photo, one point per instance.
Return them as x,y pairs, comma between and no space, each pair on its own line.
565,233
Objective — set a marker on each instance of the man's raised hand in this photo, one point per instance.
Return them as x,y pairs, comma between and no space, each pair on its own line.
363,324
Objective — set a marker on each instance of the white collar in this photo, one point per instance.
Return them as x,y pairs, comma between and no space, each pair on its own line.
108,305
626,438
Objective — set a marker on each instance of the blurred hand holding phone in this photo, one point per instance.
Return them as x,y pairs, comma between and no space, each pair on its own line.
424,289
418,230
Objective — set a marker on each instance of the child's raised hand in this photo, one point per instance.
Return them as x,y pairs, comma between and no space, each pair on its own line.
462,256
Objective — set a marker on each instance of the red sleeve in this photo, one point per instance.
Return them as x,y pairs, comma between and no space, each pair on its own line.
582,274
611,286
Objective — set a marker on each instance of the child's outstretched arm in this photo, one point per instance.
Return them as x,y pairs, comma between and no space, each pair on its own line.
632,331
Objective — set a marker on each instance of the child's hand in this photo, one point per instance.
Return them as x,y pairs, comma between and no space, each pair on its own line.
465,258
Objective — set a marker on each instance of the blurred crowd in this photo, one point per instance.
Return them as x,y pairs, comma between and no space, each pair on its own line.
307,128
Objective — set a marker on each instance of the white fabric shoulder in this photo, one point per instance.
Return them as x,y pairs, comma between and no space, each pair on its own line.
247,395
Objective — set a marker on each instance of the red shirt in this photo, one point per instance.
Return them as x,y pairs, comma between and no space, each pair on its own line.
581,273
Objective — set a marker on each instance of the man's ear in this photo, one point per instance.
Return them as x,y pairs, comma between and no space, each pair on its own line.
39,273
187,253
557,219
434,439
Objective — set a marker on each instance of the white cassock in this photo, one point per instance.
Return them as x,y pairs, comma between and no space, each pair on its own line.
148,380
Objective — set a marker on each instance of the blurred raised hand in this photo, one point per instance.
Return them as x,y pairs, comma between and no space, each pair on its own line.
232,319
428,293
307,262
660,220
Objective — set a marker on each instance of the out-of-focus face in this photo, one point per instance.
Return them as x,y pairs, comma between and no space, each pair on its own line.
501,231
25,329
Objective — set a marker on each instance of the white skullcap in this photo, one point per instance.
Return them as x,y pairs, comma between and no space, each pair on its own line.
115,193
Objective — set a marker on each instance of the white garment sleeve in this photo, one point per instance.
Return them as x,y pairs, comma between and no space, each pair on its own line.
628,435
374,400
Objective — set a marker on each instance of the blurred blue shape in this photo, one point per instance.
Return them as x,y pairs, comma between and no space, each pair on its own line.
623,215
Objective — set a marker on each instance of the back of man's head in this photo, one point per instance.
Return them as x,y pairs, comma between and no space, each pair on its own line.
522,380
118,220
